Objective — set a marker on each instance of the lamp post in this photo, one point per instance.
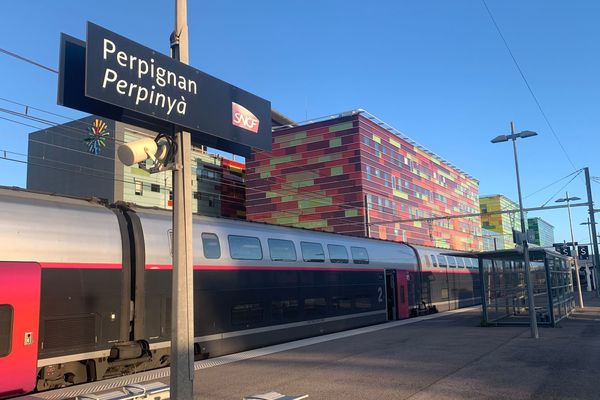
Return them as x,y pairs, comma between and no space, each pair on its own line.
587,270
530,299
568,200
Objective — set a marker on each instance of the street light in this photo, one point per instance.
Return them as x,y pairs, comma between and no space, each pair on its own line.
568,200
588,275
530,300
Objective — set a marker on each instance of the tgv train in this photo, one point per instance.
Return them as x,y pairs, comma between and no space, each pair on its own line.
85,287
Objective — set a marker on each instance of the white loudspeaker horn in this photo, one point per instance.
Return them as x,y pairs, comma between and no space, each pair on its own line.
137,151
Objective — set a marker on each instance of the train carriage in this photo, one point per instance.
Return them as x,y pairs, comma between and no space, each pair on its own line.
85,287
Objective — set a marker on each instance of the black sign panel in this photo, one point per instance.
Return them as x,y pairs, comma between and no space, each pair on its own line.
564,250
583,252
122,80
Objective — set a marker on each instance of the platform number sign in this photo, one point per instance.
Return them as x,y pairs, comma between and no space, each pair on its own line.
583,252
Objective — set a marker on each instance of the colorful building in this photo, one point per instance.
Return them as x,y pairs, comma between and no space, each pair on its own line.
322,174
491,240
504,223
544,231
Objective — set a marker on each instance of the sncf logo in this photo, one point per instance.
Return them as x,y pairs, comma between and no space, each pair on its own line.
242,117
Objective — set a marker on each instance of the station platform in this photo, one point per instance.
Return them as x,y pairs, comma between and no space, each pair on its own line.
444,356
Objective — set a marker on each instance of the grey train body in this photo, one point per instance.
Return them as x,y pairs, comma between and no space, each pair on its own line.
105,292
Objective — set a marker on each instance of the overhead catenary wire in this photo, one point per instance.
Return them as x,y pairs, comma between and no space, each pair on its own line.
562,188
552,184
537,102
27,60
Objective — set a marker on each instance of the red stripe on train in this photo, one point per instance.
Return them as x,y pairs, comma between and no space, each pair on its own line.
51,265
259,267
452,271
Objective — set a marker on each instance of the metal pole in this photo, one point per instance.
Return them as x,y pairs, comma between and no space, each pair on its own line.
528,281
367,220
588,274
574,254
182,309
593,227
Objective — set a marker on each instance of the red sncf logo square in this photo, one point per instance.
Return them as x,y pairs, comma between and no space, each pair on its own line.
243,118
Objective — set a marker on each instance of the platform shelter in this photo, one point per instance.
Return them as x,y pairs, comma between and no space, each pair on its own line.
504,292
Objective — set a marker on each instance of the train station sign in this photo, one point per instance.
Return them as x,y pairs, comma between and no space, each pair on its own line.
115,77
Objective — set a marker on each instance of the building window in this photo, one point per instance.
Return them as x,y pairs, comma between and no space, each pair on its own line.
245,248
211,246
155,188
6,325
139,187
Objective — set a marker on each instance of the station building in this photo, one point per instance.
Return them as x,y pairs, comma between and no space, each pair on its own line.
543,230
354,174
79,159
502,224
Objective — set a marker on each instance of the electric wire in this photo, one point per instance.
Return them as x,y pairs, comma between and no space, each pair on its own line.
15,55
552,184
527,84
562,188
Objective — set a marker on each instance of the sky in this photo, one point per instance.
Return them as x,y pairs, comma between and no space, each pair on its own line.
436,70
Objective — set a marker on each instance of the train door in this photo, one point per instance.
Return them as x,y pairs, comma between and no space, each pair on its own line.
402,279
19,323
390,291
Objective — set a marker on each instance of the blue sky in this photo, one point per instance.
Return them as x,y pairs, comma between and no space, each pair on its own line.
436,70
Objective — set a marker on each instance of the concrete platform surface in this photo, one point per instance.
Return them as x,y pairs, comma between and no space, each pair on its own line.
444,358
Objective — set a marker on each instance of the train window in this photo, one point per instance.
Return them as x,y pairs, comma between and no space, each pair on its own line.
282,250
6,325
284,309
341,304
211,246
315,306
363,303
337,253
426,262
443,261
245,248
452,262
246,314
433,260
359,255
312,252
